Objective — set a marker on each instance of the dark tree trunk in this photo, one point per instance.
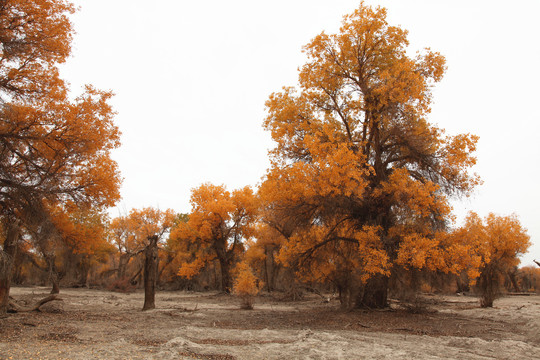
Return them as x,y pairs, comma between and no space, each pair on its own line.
489,284
54,277
55,285
462,286
83,274
133,280
225,258
163,267
374,293
150,273
269,268
18,275
512,275
7,257
348,293
122,265
272,269
226,284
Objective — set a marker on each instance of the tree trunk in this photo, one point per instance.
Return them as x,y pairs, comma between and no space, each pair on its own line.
271,268
14,307
7,257
225,275
84,269
55,285
18,275
133,280
374,293
512,275
53,274
268,267
489,286
462,286
150,273
122,265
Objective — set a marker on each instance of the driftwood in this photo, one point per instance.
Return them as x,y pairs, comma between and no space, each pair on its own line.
16,307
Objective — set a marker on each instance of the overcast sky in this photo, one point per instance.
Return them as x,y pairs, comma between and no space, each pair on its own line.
191,79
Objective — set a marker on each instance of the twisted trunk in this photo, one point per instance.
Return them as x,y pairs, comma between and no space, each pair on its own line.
54,277
7,257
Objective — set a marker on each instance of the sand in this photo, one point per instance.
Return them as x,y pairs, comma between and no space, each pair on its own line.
95,324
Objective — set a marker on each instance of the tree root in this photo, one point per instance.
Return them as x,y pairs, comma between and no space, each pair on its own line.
15,307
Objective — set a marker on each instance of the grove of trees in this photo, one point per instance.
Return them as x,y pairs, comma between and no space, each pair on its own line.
356,200
55,152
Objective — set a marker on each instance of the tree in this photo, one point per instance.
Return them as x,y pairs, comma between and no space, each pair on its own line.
46,240
53,149
124,237
261,255
170,260
219,223
142,231
495,245
246,285
357,169
153,225
35,36
11,227
82,232
529,278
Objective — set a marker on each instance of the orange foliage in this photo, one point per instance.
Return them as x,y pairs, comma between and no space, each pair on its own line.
359,178
246,284
84,230
61,150
130,233
36,36
497,241
57,148
219,223
495,244
529,278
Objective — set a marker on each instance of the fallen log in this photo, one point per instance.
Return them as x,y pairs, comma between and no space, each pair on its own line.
14,307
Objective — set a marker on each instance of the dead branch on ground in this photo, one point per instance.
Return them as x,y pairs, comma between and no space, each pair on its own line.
14,306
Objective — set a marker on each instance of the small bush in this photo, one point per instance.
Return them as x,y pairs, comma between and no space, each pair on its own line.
122,285
246,285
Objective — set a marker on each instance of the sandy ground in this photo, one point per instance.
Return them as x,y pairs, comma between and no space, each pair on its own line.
92,324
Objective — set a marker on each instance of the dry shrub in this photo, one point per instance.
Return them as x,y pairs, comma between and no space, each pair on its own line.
123,285
406,287
246,285
489,285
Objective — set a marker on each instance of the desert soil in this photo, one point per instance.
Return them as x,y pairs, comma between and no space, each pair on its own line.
94,324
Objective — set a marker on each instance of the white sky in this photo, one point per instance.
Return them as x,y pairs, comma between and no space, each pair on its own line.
191,79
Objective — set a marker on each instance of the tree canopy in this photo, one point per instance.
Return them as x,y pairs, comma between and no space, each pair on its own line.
55,151
495,244
218,225
358,170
